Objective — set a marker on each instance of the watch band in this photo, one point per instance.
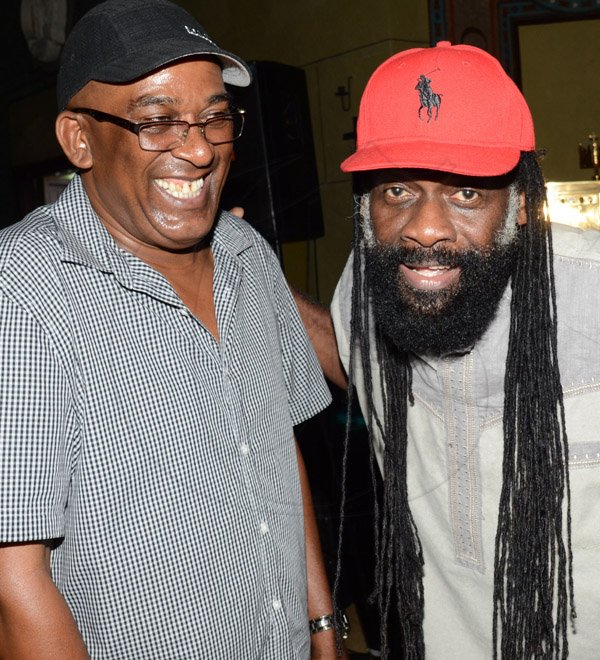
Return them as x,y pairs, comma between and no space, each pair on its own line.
327,622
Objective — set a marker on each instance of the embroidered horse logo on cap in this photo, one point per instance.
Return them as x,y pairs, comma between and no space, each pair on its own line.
428,98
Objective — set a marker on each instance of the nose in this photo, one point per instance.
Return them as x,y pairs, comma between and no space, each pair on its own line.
429,223
195,148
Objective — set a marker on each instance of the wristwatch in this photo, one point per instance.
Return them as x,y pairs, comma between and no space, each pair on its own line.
327,622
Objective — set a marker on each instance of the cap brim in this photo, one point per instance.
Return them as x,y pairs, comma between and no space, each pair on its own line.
456,158
235,70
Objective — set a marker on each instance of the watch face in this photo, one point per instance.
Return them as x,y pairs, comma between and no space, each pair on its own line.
44,24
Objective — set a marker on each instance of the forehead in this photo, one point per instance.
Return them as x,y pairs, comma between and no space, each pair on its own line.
375,178
197,79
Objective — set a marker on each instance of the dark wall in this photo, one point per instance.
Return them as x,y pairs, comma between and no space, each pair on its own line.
21,76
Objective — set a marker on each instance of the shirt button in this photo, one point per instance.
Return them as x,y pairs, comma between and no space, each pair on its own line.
244,449
183,311
264,528
276,604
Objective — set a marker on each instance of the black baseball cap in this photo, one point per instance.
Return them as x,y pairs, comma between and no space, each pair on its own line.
121,40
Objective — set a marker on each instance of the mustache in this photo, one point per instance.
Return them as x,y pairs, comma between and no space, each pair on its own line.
432,256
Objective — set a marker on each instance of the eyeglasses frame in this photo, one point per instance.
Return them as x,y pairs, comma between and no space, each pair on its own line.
137,127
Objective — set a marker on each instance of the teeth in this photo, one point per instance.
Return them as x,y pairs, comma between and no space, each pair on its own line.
430,271
185,190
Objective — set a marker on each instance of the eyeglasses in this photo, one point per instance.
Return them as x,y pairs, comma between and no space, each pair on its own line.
167,135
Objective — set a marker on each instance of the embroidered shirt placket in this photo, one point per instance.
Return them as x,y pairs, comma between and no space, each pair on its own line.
464,479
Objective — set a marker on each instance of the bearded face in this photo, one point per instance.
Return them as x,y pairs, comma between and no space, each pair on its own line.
439,255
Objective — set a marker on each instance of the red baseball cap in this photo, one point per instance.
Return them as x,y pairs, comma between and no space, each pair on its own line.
447,108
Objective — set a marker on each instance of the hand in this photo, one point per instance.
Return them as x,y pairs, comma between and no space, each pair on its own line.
237,211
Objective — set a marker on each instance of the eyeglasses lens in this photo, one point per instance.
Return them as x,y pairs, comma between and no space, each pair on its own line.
163,136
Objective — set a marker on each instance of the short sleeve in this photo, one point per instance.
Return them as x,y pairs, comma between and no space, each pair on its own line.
37,429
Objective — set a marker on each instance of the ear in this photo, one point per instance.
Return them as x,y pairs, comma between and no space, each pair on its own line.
72,136
522,213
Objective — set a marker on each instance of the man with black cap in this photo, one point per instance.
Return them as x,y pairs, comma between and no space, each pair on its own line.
470,332
153,365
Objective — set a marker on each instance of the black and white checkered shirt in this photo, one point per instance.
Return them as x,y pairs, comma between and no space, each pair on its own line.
162,459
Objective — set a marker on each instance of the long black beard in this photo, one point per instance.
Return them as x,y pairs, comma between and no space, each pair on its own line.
444,321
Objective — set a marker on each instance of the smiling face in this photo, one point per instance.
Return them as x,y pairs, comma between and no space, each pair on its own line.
152,200
440,250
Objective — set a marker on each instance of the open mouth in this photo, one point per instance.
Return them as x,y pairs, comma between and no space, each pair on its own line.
430,277
181,189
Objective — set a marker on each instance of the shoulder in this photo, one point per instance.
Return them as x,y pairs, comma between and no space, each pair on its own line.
342,296
238,234
240,240
576,262
577,273
29,253
573,245
576,267
32,274
341,310
28,240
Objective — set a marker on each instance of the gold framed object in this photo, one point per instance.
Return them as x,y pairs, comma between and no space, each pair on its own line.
575,203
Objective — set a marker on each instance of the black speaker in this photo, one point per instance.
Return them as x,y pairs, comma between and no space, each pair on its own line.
274,174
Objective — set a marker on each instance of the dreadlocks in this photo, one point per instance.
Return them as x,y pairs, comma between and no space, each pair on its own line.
533,585
533,582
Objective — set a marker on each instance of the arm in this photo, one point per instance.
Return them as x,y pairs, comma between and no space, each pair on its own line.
323,644
319,327
35,621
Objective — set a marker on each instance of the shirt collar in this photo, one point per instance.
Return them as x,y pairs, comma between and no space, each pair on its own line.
86,241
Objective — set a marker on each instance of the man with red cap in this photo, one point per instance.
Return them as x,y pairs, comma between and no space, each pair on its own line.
153,503
469,329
